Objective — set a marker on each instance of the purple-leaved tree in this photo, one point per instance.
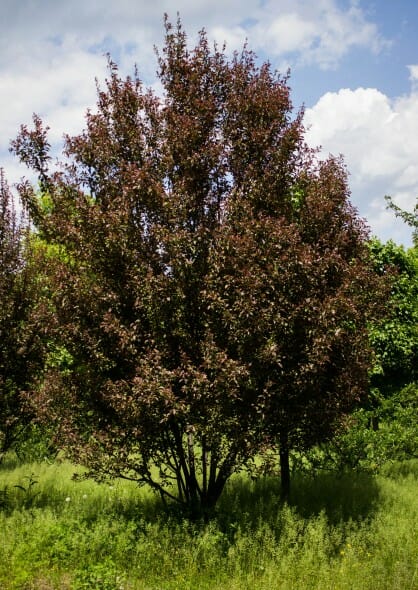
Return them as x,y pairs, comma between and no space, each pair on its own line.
211,281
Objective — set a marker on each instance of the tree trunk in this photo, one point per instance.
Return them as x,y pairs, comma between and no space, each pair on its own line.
284,467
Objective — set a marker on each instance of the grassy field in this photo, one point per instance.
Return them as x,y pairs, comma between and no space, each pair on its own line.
350,532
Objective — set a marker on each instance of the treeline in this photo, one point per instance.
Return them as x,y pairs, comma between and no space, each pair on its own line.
192,288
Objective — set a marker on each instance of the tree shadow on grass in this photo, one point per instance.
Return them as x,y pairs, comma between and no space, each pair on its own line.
342,498
244,504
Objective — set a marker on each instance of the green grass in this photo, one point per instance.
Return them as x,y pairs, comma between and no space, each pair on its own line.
351,532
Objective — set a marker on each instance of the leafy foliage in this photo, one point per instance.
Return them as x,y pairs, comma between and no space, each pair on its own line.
395,337
385,428
410,218
208,297
20,335
358,446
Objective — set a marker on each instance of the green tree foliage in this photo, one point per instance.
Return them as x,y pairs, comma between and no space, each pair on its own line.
20,335
410,218
395,338
209,292
385,428
358,446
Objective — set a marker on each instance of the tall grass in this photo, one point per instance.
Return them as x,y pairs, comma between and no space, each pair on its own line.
350,532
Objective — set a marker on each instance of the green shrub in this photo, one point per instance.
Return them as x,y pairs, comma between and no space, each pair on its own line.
372,438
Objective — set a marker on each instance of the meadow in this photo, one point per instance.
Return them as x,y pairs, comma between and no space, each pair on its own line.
340,532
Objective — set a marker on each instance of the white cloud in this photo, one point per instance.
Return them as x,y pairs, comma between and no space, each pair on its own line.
54,80
379,140
62,83
233,37
413,76
51,51
319,33
288,33
413,73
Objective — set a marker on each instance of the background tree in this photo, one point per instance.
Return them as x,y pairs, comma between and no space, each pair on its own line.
410,218
385,427
20,335
209,287
395,337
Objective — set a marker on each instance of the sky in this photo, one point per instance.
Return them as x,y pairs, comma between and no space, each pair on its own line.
353,64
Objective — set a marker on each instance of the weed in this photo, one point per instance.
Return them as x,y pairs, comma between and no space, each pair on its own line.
354,532
29,494
100,576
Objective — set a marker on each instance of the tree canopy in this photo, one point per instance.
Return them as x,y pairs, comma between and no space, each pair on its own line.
21,342
395,337
208,289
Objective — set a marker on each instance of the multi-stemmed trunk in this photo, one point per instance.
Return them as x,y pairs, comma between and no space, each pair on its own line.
200,473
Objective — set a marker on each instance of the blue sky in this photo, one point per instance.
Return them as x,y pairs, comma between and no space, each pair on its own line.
397,26
354,65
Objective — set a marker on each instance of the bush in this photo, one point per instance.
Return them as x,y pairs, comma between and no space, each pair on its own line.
371,438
